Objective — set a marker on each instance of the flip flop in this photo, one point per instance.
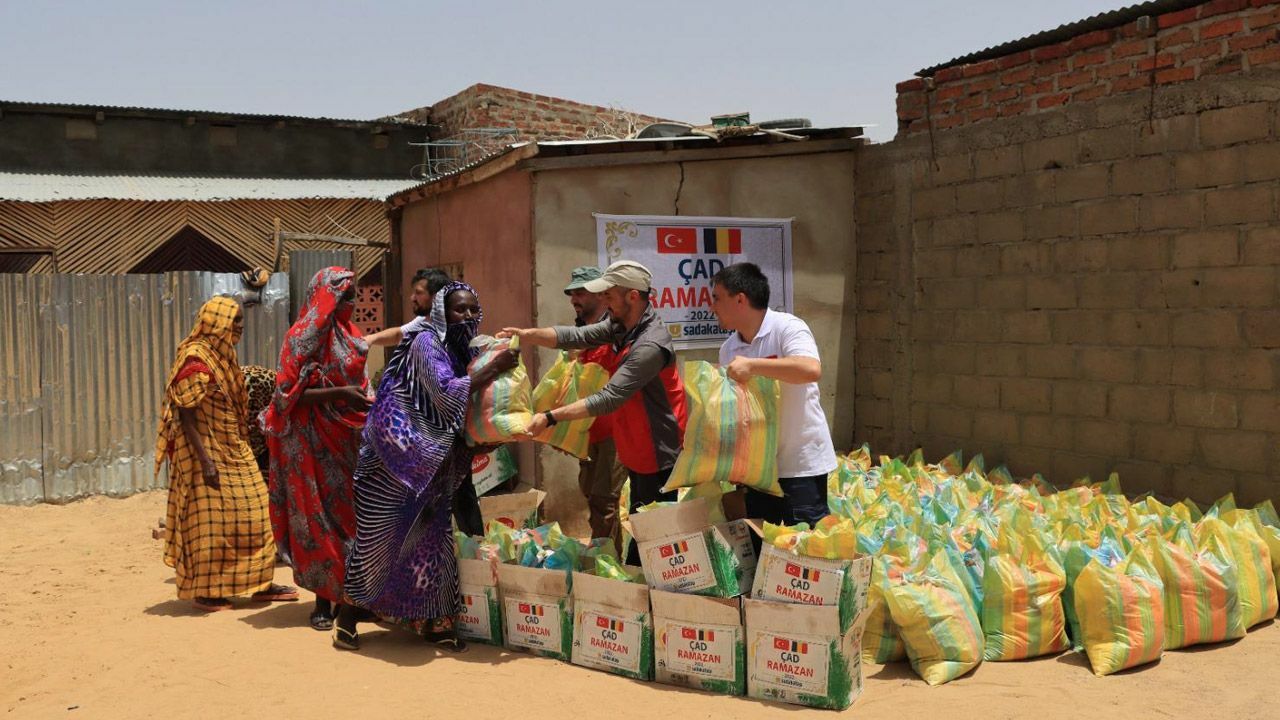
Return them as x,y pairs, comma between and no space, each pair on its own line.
321,621
276,593
350,642
447,641
212,604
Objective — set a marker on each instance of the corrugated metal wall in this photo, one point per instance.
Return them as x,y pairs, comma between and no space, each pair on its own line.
83,360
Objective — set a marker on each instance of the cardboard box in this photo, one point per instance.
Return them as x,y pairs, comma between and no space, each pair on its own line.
488,471
537,611
698,642
783,577
612,626
481,617
515,510
681,551
799,654
738,534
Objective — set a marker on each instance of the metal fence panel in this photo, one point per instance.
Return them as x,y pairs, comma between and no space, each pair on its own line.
21,456
84,361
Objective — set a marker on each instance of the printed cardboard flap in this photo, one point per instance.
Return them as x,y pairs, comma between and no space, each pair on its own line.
533,581
611,593
511,509
478,572
812,620
696,608
858,569
679,519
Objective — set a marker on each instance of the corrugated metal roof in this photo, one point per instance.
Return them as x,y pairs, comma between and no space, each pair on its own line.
1101,21
87,108
54,187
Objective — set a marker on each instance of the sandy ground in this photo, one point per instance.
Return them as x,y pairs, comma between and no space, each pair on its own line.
90,627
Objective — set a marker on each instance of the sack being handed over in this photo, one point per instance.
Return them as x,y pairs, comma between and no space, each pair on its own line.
732,431
567,382
503,409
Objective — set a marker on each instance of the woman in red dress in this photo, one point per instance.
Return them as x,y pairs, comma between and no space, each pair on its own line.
313,436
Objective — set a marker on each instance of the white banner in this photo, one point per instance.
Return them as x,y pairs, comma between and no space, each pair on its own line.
684,252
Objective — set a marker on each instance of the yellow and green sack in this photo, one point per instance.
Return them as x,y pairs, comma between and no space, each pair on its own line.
882,640
1121,613
732,431
567,382
1201,598
1022,615
937,621
503,409
1256,579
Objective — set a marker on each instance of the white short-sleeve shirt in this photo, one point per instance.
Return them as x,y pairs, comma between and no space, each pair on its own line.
420,322
804,438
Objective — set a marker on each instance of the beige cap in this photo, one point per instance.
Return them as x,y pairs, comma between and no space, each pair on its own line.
624,273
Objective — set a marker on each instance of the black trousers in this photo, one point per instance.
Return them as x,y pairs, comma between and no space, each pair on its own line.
646,488
466,508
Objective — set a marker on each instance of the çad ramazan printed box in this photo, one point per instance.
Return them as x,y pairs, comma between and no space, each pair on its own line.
481,616
515,510
681,551
537,610
698,642
800,654
784,577
612,626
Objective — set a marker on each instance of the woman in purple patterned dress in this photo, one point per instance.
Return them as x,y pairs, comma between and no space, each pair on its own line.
402,565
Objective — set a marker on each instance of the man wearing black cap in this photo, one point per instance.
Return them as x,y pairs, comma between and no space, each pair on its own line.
600,476
645,394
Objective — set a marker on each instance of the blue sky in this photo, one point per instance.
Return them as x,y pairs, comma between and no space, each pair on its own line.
833,62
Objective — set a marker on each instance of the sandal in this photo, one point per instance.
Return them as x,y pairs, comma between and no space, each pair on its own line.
447,641
444,635
212,604
344,639
320,620
276,593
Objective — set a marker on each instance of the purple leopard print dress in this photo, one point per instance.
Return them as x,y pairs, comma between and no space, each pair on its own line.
402,565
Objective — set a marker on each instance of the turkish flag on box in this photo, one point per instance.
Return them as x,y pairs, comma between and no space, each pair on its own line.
677,241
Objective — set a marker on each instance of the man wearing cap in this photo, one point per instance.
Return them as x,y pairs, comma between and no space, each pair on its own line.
645,394
600,476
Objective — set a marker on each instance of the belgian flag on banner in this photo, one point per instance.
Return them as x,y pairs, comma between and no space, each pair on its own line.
722,241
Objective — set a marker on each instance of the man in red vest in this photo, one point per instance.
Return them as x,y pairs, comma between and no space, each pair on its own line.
600,476
644,397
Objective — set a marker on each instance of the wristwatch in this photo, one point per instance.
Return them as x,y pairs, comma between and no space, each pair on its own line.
551,419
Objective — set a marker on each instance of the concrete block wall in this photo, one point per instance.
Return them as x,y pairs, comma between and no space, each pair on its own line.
1082,289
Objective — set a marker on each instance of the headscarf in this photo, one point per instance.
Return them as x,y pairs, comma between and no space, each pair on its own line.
211,349
456,337
322,349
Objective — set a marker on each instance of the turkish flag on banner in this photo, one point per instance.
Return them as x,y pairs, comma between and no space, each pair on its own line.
677,241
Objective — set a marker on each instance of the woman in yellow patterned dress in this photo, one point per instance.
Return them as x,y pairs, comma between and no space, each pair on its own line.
219,542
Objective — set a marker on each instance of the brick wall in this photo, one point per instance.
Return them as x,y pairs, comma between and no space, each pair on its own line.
1223,37
537,117
1087,287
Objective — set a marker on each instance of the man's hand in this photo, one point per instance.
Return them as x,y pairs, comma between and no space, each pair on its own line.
537,425
741,369
509,332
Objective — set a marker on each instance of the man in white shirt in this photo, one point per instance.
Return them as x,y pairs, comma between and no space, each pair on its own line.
778,345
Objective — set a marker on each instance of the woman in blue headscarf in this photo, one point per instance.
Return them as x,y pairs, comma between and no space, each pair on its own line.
402,566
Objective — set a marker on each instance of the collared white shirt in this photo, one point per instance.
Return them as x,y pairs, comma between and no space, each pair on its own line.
804,438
